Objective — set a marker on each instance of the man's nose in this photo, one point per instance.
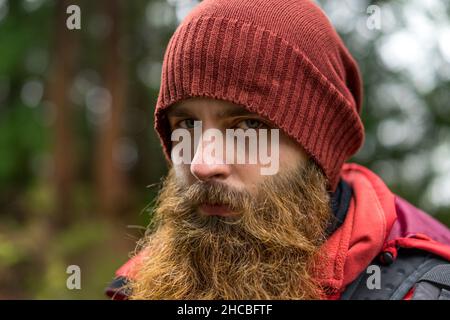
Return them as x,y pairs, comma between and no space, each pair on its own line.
207,167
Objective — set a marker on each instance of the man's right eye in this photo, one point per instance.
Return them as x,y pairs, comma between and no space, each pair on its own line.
186,124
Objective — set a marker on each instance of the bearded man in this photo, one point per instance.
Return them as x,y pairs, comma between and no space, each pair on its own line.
223,230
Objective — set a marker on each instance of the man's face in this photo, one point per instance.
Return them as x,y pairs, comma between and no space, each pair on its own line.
207,167
224,231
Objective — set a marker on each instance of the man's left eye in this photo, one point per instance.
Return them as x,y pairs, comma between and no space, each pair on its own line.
250,124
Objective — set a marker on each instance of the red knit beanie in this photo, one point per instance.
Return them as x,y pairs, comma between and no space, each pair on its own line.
280,59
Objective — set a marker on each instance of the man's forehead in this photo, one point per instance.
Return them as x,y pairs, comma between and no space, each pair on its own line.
214,107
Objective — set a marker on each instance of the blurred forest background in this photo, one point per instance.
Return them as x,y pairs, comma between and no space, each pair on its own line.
78,153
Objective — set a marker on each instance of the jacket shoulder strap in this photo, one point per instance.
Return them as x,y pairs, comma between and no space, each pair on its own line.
434,285
411,266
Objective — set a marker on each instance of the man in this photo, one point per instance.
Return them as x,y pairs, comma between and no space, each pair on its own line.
276,73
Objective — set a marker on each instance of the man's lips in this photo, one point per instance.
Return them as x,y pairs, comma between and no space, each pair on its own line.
216,210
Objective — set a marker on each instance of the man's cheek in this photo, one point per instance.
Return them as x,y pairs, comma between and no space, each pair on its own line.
183,174
249,177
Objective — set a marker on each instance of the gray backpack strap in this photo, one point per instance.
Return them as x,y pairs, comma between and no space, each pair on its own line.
434,285
397,278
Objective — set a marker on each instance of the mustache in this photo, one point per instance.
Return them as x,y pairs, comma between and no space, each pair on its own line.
216,193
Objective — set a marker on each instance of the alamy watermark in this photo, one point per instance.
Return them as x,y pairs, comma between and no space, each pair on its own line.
374,20
73,21
74,280
238,146
374,280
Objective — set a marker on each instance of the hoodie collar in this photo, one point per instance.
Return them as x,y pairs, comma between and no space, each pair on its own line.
370,216
340,201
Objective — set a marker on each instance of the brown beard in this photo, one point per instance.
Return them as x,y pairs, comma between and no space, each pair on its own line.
267,252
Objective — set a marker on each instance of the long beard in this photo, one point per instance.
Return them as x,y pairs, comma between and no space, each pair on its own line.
267,252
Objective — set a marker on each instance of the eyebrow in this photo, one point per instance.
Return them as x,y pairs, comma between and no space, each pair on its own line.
179,111
234,112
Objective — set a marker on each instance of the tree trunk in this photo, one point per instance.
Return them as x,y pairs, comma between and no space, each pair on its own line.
111,180
61,75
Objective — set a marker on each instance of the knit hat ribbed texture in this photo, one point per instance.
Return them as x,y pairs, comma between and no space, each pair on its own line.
280,59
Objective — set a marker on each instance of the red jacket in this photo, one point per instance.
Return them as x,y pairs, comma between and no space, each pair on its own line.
377,221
